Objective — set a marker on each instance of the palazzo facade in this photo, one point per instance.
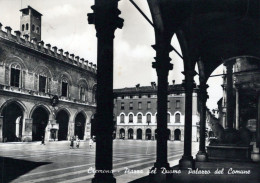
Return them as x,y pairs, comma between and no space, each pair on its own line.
43,93
135,110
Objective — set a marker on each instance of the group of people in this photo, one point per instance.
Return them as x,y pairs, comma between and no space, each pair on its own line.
76,139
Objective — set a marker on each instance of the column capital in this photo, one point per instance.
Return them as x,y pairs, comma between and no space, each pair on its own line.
105,17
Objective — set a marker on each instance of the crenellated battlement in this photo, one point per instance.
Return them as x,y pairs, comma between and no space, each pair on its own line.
47,49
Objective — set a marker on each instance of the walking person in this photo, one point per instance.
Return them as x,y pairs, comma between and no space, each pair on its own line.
42,143
90,143
72,142
77,141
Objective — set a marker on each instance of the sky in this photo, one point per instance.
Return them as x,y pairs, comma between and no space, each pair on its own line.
65,25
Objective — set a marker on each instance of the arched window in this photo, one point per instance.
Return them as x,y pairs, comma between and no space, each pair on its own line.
27,26
23,27
15,75
122,118
64,87
168,118
148,118
42,83
33,27
177,118
94,93
139,118
130,118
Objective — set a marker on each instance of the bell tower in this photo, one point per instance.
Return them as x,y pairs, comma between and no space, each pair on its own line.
30,23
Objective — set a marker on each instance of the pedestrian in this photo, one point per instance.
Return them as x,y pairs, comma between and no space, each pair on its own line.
42,143
90,143
77,141
71,142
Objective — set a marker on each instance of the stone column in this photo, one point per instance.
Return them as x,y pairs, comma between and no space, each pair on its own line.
203,96
258,122
229,99
187,159
27,133
237,108
162,66
106,20
1,128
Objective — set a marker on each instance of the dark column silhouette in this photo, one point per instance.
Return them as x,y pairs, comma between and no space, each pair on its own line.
106,20
187,159
203,96
229,99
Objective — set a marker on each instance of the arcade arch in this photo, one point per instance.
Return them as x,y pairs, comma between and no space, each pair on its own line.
80,122
62,118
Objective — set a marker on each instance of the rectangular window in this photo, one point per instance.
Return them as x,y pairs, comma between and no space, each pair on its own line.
177,104
139,105
15,77
122,106
148,105
64,89
168,104
131,105
42,84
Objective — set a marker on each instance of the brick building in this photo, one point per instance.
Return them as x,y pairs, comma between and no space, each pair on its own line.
43,93
135,110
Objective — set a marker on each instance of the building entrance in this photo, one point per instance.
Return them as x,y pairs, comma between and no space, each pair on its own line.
139,134
40,118
62,118
12,122
177,134
148,134
80,121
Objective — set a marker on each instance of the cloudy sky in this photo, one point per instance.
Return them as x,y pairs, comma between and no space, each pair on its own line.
64,24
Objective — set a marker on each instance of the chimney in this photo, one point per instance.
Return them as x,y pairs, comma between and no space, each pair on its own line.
72,57
34,40
48,47
153,84
86,64
61,52
137,86
41,43
77,60
55,50
26,37
67,55
8,30
18,35
90,63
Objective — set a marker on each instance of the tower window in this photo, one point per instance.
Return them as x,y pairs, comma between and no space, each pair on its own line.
23,27
33,28
42,84
15,77
38,30
139,105
27,26
64,89
122,106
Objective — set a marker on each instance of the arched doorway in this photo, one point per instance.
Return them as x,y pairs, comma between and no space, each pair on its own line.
62,119
177,134
148,134
139,134
12,122
40,117
130,133
80,121
122,133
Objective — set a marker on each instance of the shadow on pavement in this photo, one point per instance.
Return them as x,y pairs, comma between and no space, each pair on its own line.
11,168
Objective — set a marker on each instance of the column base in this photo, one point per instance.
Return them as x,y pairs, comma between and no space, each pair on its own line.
101,178
186,162
202,156
159,173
